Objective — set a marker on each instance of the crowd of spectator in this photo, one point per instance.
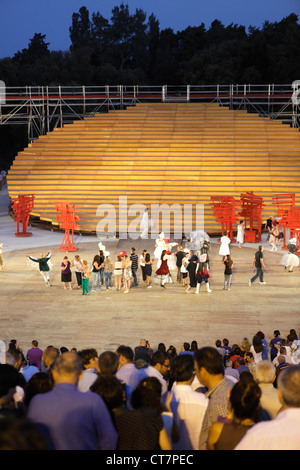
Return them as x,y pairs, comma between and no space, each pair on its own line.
222,397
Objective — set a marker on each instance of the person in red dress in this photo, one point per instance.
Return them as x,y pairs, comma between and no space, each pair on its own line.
163,270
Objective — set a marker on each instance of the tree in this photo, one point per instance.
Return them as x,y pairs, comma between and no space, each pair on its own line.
80,31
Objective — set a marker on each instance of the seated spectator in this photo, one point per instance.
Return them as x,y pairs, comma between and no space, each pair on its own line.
188,407
283,432
84,422
241,366
89,359
235,353
38,383
11,392
28,371
48,357
243,412
219,348
282,364
265,375
230,372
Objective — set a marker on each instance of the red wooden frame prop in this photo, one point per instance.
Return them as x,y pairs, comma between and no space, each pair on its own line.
224,208
22,206
68,220
284,203
251,212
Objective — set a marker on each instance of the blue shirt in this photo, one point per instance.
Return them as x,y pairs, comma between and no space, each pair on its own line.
75,420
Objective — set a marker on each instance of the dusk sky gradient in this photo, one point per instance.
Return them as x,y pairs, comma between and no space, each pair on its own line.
21,19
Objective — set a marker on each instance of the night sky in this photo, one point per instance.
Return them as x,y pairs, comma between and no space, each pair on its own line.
21,19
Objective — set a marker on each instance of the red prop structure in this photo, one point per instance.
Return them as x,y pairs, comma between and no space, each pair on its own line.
251,212
224,208
22,206
285,203
68,220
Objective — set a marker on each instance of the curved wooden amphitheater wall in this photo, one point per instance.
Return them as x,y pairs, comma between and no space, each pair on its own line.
174,153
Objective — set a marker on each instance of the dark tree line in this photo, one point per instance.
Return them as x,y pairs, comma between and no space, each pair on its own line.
132,49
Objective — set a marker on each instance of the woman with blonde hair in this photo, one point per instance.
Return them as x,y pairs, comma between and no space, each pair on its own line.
127,273
118,272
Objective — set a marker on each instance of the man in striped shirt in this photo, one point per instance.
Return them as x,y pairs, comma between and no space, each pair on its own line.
134,266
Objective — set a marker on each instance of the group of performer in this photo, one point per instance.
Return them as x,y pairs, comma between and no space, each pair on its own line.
192,262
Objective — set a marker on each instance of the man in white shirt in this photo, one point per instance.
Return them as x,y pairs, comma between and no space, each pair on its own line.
283,432
89,359
127,373
188,407
159,367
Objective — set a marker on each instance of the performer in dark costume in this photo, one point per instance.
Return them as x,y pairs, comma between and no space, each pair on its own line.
191,268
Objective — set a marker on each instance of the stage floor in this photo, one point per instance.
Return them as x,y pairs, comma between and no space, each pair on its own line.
103,320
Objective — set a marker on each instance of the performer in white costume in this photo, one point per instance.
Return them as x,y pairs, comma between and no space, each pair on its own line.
160,245
224,248
290,260
144,226
172,258
240,233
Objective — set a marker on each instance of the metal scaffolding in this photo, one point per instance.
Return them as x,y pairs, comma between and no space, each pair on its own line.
43,108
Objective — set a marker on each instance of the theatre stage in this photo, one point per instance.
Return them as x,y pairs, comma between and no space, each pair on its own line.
103,320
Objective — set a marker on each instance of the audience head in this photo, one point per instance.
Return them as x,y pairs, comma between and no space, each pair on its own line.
147,394
67,368
289,386
89,358
265,372
208,365
108,363
182,368
245,399
125,354
110,390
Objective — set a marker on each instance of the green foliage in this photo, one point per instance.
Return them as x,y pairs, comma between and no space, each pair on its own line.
130,48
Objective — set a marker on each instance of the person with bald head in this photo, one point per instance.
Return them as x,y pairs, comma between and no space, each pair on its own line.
74,420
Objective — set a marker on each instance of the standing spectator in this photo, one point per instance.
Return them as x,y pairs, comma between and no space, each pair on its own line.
84,422
34,355
283,432
258,262
188,407
89,359
143,351
257,349
210,373
265,375
134,266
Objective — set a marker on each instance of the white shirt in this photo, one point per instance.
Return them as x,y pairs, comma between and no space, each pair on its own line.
152,372
281,433
130,375
188,409
87,379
